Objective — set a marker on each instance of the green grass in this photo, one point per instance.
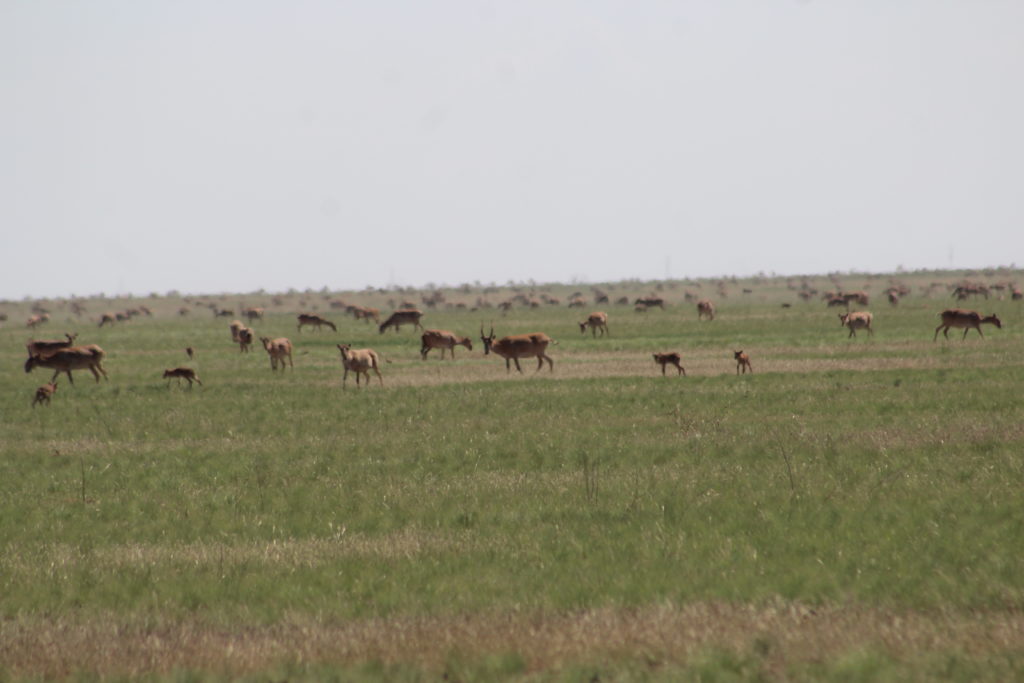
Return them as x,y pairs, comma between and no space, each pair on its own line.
882,475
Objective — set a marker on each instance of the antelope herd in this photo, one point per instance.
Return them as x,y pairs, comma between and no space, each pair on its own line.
63,356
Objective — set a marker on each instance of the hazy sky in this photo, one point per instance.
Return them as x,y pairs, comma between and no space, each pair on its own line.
210,146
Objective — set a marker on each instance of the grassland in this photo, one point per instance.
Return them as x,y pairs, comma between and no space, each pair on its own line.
852,511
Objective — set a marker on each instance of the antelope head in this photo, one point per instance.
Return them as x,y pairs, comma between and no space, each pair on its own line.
487,340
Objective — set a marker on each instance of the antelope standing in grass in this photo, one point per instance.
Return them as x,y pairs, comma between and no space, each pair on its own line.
65,360
444,340
516,346
651,302
705,309
968,320
860,320
359,361
190,351
182,373
36,347
278,349
236,326
670,358
37,320
742,361
245,337
314,320
253,314
44,394
595,321
107,318
404,317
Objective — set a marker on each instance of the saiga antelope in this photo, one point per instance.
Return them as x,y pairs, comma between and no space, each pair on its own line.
183,373
278,349
861,320
359,361
670,358
314,320
405,317
516,346
65,360
44,394
705,308
742,361
968,320
444,340
36,347
595,321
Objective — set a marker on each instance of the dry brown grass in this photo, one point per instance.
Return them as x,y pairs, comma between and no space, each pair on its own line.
784,635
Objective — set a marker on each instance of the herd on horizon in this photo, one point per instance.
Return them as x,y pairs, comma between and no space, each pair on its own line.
62,355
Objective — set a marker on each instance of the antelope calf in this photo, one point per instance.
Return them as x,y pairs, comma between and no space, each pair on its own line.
182,373
861,320
670,358
444,340
742,361
967,320
359,361
595,321
705,309
278,349
44,394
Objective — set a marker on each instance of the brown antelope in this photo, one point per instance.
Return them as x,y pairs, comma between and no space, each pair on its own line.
705,309
314,320
968,320
44,394
855,297
516,346
742,361
404,317
359,361
860,320
107,318
36,347
190,351
366,314
444,340
651,302
182,373
670,358
278,349
253,314
235,327
577,302
1016,294
37,320
595,321
65,360
245,337
837,301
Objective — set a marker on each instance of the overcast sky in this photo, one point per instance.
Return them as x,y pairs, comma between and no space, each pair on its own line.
215,146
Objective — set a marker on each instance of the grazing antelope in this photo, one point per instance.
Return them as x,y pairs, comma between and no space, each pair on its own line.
444,340
36,347
861,320
837,301
968,320
222,312
595,321
65,360
359,361
245,337
37,320
190,351
404,317
366,314
855,297
670,358
651,301
107,318
705,308
44,394
278,349
182,373
253,314
577,302
314,320
516,346
742,361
